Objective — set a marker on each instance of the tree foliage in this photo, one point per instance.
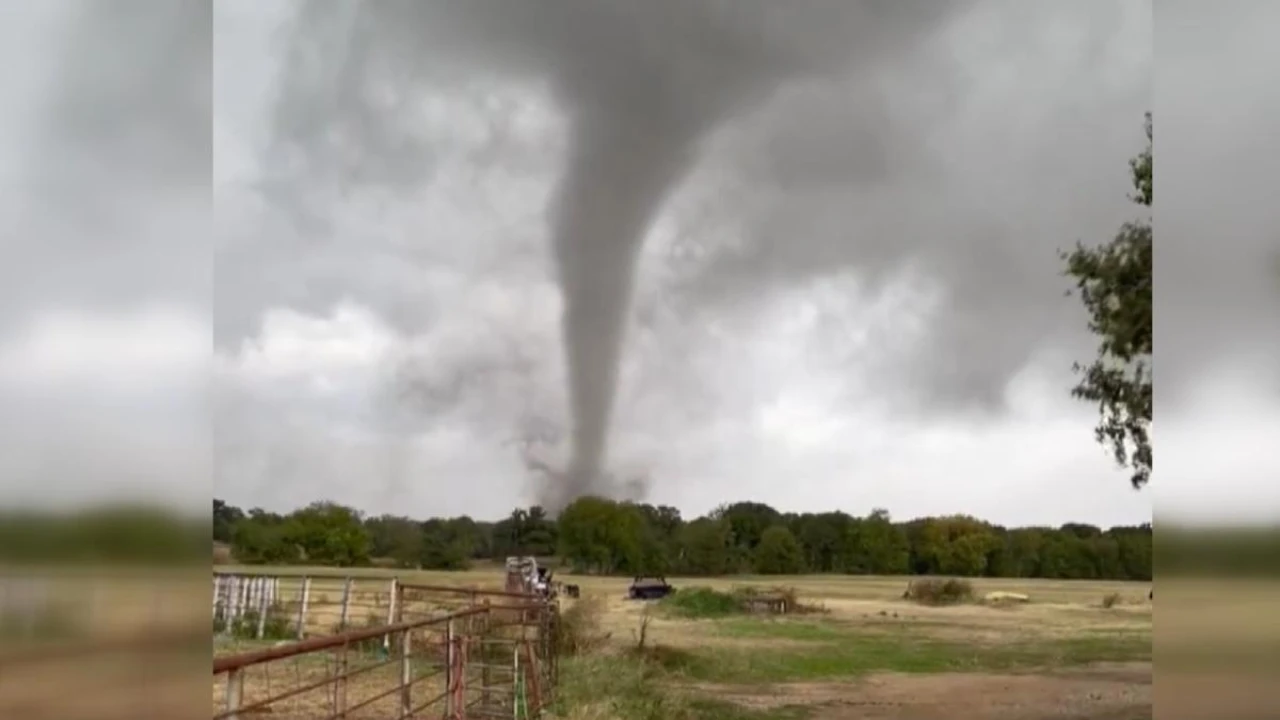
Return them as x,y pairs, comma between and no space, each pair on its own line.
595,535
1114,282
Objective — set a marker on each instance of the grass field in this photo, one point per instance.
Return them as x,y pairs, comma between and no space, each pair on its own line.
866,654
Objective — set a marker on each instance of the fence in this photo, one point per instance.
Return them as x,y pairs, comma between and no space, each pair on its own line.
266,607
483,661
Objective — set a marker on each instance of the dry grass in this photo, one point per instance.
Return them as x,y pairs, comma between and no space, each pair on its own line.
866,629
1057,608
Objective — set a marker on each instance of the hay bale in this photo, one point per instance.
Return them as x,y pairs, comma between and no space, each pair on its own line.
1001,596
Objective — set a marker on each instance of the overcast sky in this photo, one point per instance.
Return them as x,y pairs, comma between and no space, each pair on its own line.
849,298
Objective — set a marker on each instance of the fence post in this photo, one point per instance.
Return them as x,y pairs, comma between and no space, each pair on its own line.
340,684
391,614
251,594
302,607
406,676
486,676
346,604
238,593
517,687
449,679
217,587
235,693
263,607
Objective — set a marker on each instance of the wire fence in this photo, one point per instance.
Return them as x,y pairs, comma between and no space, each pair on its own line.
485,660
262,607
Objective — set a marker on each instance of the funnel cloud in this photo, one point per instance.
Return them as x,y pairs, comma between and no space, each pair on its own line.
642,86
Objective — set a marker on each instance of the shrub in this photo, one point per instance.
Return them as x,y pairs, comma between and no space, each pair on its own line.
705,602
937,591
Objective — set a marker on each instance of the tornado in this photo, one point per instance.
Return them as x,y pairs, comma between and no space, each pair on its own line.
621,168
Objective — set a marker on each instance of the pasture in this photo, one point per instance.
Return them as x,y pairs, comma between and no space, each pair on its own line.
1075,650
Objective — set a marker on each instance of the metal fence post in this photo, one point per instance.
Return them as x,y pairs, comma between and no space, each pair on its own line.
217,592
517,687
263,606
391,614
340,686
406,676
302,607
235,693
346,604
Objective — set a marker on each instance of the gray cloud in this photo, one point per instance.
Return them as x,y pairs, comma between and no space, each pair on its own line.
946,155
104,213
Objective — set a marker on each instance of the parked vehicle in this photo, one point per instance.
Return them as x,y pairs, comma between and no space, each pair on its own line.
649,588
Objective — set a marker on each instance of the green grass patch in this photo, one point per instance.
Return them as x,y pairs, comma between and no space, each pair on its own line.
780,628
633,686
854,655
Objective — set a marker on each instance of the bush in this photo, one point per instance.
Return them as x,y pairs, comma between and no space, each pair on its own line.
705,602
937,591
1110,600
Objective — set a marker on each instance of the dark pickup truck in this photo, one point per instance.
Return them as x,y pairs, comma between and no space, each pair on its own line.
649,588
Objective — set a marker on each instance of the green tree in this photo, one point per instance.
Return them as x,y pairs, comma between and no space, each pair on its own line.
225,518
399,539
778,552
1114,282
329,534
446,544
583,535
748,521
956,545
824,540
703,547
603,536
261,538
877,546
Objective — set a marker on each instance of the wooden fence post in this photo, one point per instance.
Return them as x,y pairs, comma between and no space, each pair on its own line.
450,675
486,659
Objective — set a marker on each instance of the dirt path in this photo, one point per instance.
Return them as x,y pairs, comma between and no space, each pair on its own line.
1103,692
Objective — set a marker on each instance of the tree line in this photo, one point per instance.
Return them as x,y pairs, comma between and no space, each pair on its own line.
600,536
